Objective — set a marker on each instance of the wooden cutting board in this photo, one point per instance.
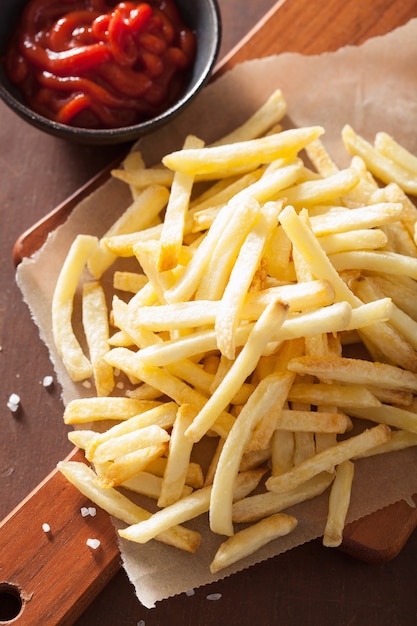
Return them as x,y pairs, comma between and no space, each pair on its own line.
51,573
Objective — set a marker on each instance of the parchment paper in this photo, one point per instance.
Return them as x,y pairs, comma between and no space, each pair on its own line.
372,87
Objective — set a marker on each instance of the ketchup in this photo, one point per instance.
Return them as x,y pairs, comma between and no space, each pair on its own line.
99,64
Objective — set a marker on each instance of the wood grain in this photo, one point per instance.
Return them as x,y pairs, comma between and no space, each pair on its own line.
55,573
289,589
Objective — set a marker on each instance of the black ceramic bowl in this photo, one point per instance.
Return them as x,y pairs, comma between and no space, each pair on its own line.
202,16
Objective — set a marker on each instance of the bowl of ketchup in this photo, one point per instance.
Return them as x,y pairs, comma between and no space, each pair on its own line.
104,71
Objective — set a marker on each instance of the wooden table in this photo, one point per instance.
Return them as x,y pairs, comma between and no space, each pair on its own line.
309,585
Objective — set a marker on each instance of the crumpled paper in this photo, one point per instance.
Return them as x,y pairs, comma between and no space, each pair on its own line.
372,87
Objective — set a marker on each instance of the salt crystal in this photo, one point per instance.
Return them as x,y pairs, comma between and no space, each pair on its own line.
86,384
190,592
47,381
141,622
92,511
46,528
84,511
93,543
13,402
214,596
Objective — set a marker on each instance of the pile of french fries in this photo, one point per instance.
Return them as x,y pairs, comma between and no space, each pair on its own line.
259,267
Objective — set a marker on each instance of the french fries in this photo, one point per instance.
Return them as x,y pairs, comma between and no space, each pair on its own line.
222,385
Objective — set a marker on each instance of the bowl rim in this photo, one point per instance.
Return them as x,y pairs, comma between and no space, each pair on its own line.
124,133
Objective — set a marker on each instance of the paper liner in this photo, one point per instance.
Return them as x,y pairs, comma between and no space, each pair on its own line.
372,87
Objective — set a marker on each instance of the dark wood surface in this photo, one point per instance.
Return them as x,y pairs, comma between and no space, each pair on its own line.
309,585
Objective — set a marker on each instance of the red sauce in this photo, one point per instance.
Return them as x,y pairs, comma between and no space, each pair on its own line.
98,64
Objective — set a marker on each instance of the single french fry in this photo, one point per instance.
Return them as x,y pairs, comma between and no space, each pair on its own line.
96,328
313,421
332,395
250,539
394,416
370,239
180,448
221,499
243,153
69,349
266,116
81,410
342,221
339,501
400,439
172,234
356,371
321,190
376,261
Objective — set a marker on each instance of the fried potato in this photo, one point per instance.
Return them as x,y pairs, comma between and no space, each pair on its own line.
253,152
339,501
250,539
264,343
75,361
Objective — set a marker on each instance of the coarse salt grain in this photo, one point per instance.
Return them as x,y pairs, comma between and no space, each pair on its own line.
190,592
46,528
88,510
141,622
93,543
47,381
86,384
214,596
13,402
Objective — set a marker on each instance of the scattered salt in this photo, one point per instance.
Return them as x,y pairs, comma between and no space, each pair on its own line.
141,622
88,510
190,592
46,528
214,596
47,381
86,384
120,385
93,543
